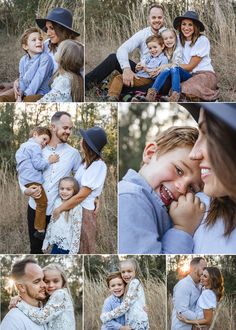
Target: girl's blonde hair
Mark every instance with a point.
(75, 188)
(135, 264)
(170, 55)
(70, 58)
(58, 268)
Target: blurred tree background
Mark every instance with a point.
(73, 269)
(139, 123)
(18, 15)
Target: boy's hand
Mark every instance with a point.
(33, 191)
(139, 66)
(14, 301)
(187, 213)
(53, 158)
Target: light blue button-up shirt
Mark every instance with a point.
(35, 73)
(152, 63)
(144, 223)
(30, 162)
(185, 295)
(111, 303)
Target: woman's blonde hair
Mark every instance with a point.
(216, 281)
(70, 58)
(58, 268)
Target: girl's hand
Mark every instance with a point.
(154, 73)
(145, 308)
(14, 301)
(187, 213)
(56, 213)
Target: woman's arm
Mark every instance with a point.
(72, 202)
(130, 298)
(195, 60)
(208, 316)
(54, 307)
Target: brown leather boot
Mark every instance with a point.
(151, 95)
(174, 97)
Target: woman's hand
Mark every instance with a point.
(14, 301)
(187, 213)
(33, 191)
(56, 213)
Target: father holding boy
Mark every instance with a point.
(120, 61)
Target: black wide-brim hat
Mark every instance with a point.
(188, 15)
(95, 137)
(60, 16)
(225, 112)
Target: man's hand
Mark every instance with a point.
(33, 191)
(53, 158)
(187, 213)
(128, 77)
(56, 213)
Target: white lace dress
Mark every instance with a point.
(132, 306)
(60, 90)
(58, 313)
(65, 233)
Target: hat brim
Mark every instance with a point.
(177, 22)
(225, 112)
(89, 141)
(41, 22)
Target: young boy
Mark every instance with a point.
(144, 71)
(116, 286)
(167, 173)
(30, 164)
(35, 67)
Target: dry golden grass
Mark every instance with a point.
(224, 317)
(13, 219)
(95, 292)
(219, 21)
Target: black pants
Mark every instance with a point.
(35, 243)
(110, 64)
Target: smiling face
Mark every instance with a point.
(34, 44)
(62, 128)
(212, 186)
(205, 279)
(51, 33)
(187, 28)
(53, 281)
(171, 174)
(42, 139)
(117, 287)
(156, 19)
(127, 271)
(155, 48)
(169, 38)
(66, 189)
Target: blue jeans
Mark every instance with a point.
(177, 75)
(57, 250)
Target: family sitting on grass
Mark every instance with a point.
(49, 71)
(177, 64)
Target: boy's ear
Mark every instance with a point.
(25, 47)
(149, 151)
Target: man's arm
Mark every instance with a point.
(181, 301)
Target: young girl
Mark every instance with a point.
(58, 312)
(177, 74)
(213, 284)
(67, 83)
(63, 235)
(133, 304)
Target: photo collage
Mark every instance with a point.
(118, 165)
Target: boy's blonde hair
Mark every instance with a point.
(176, 136)
(40, 130)
(113, 275)
(157, 38)
(70, 58)
(24, 37)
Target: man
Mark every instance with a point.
(28, 277)
(186, 294)
(120, 60)
(69, 161)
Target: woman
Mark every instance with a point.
(58, 26)
(213, 290)
(215, 152)
(91, 176)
